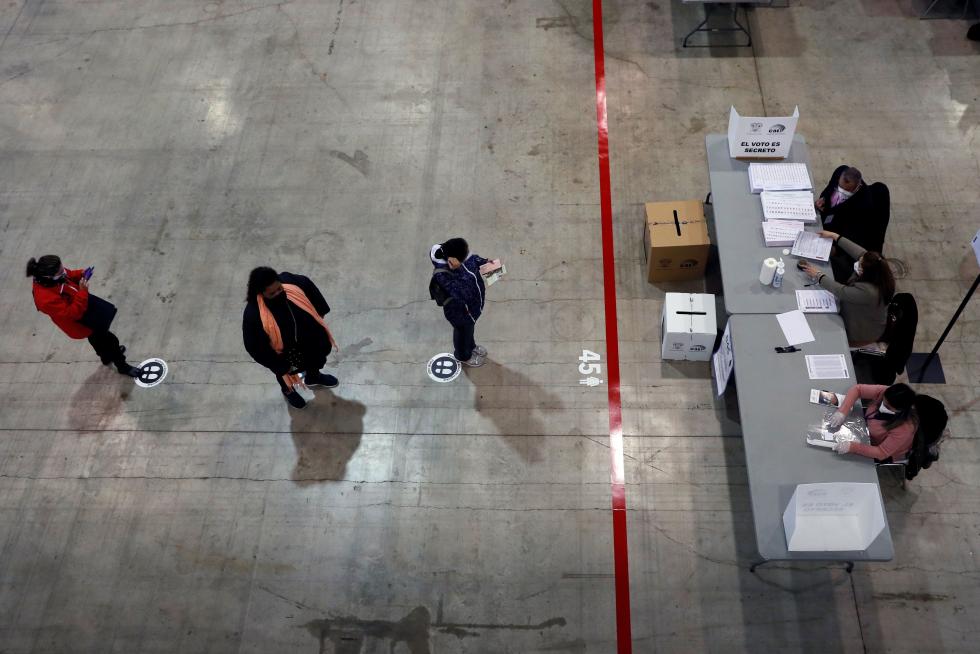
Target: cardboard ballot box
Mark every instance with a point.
(676, 240)
(688, 327)
(833, 517)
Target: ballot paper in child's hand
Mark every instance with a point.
(492, 271)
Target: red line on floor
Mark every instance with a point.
(624, 637)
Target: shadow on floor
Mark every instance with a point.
(785, 606)
(99, 399)
(326, 435)
(514, 403)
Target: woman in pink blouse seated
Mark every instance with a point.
(891, 418)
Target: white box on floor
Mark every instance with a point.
(688, 327)
(833, 517)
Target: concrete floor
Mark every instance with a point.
(174, 144)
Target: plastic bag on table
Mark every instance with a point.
(853, 429)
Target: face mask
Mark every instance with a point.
(883, 409)
(857, 268)
(844, 194)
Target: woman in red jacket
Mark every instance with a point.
(890, 414)
(63, 295)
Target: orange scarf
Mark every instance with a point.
(295, 295)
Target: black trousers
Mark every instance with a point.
(106, 345)
(464, 340)
(310, 363)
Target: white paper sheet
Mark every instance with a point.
(795, 327)
(820, 301)
(779, 233)
(723, 361)
(810, 246)
(826, 366)
(788, 205)
(779, 177)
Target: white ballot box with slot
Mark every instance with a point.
(688, 327)
(833, 517)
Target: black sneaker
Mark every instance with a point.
(319, 379)
(295, 400)
(128, 370)
(108, 362)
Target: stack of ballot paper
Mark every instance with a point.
(788, 205)
(819, 301)
(780, 233)
(779, 177)
(810, 246)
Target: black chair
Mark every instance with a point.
(881, 203)
(899, 335)
(927, 440)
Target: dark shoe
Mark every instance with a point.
(109, 362)
(319, 379)
(295, 400)
(128, 370)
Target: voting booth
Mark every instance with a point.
(833, 517)
(688, 327)
(760, 137)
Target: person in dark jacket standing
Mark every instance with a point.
(283, 330)
(457, 271)
(63, 295)
(846, 206)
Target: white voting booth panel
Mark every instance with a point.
(760, 137)
(688, 327)
(833, 517)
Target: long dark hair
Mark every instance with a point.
(876, 271)
(900, 397)
(44, 269)
(260, 279)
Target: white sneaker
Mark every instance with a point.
(474, 361)
(479, 350)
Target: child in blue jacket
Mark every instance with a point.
(463, 283)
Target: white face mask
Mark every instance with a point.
(857, 268)
(884, 409)
(844, 194)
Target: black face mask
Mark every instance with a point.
(278, 300)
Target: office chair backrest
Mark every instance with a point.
(925, 445)
(903, 320)
(881, 206)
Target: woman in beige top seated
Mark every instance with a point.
(864, 299)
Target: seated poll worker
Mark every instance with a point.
(864, 298)
(846, 206)
(891, 417)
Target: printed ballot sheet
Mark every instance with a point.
(795, 327)
(810, 246)
(779, 177)
(780, 233)
(788, 205)
(816, 301)
(826, 366)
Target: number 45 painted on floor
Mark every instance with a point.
(590, 366)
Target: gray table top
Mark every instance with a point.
(774, 402)
(738, 225)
